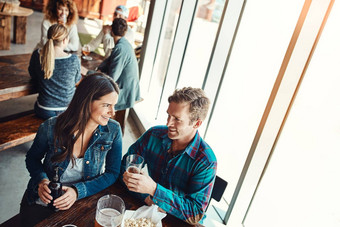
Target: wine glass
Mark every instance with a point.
(86, 51)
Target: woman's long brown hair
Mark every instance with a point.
(71, 124)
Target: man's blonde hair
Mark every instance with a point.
(199, 102)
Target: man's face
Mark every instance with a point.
(118, 14)
(178, 122)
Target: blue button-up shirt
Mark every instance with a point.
(102, 159)
(184, 182)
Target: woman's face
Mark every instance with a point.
(103, 109)
(61, 11)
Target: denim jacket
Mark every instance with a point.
(101, 159)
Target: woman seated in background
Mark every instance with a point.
(63, 12)
(55, 73)
(85, 145)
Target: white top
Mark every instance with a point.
(73, 44)
(108, 41)
(73, 174)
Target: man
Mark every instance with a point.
(105, 37)
(181, 165)
(122, 66)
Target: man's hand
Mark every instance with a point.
(107, 29)
(148, 201)
(44, 192)
(65, 201)
(140, 183)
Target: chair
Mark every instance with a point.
(219, 187)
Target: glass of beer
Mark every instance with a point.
(134, 163)
(110, 211)
(86, 51)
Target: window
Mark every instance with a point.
(300, 180)
(236, 51)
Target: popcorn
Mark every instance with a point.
(140, 222)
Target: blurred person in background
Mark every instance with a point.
(63, 12)
(55, 73)
(105, 36)
(122, 66)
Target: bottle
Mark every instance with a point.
(56, 189)
(63, 20)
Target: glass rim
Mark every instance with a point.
(136, 155)
(109, 196)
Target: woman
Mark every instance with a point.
(57, 11)
(55, 73)
(85, 145)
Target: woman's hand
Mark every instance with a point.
(44, 192)
(65, 201)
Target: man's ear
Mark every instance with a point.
(198, 123)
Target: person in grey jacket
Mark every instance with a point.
(83, 143)
(122, 66)
(55, 73)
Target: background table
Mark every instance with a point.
(15, 80)
(19, 14)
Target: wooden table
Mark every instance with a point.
(20, 14)
(15, 80)
(14, 77)
(83, 211)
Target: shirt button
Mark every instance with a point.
(96, 134)
(87, 162)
